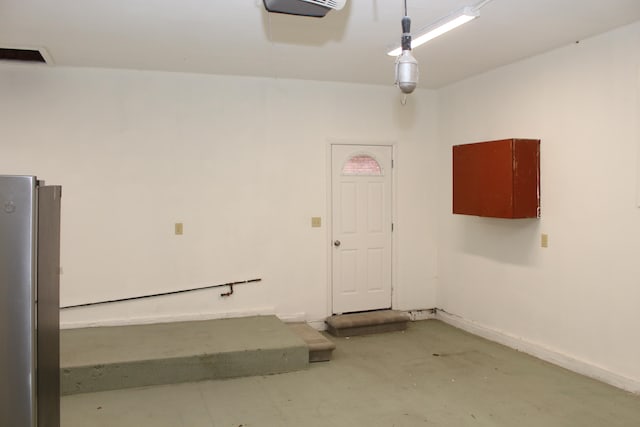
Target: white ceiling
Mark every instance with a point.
(239, 37)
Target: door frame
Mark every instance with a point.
(329, 214)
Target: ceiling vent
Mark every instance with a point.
(23, 55)
(314, 8)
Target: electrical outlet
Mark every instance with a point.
(316, 221)
(178, 228)
(544, 240)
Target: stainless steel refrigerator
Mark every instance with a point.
(29, 302)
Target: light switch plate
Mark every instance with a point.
(316, 221)
(544, 240)
(178, 228)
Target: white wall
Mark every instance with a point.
(577, 300)
(242, 162)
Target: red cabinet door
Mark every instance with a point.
(499, 179)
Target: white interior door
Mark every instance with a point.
(361, 227)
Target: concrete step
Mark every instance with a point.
(110, 358)
(320, 347)
(370, 322)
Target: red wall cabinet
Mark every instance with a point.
(499, 179)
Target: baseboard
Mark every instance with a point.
(186, 317)
(318, 325)
(541, 352)
(423, 314)
(293, 317)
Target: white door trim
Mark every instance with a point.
(395, 289)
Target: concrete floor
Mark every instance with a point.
(431, 375)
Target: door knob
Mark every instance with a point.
(336, 243)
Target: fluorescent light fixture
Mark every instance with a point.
(440, 27)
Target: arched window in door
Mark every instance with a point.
(362, 164)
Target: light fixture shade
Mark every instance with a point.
(406, 72)
(440, 27)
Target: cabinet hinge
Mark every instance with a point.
(391, 226)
